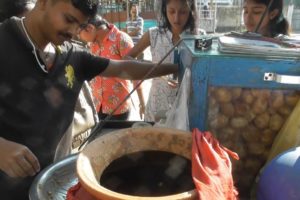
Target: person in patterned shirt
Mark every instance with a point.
(108, 41)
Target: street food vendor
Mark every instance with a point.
(42, 74)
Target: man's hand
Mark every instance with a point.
(17, 160)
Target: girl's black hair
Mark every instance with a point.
(87, 7)
(9, 8)
(191, 22)
(98, 21)
(279, 24)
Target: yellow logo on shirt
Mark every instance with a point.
(58, 49)
(70, 76)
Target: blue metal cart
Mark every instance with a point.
(242, 99)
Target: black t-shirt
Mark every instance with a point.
(36, 107)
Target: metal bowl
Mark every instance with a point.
(55, 180)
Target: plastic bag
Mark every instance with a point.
(178, 116)
(85, 117)
(211, 168)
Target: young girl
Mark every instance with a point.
(108, 41)
(175, 17)
(273, 24)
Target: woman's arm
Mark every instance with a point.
(140, 94)
(143, 43)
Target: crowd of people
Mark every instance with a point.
(43, 72)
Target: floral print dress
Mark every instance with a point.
(162, 95)
(109, 92)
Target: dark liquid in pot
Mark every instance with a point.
(149, 173)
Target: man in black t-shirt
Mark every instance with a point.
(40, 79)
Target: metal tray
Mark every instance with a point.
(55, 180)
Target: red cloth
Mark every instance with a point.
(211, 168)
(77, 192)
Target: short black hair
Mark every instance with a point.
(87, 7)
(98, 21)
(9, 8)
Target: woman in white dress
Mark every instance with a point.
(174, 18)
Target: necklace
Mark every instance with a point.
(34, 51)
